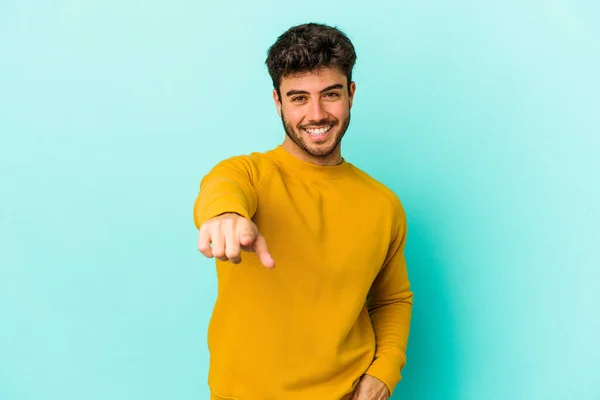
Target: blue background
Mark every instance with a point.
(482, 116)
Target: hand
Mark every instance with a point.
(229, 233)
(371, 388)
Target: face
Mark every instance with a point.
(315, 111)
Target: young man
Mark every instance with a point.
(319, 308)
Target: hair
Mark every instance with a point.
(308, 47)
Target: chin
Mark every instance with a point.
(321, 150)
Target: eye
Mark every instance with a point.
(332, 95)
(298, 99)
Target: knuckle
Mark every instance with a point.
(203, 247)
(207, 230)
(206, 254)
(246, 228)
(218, 253)
(232, 253)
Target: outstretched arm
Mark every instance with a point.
(223, 211)
(228, 187)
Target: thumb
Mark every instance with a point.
(261, 250)
(248, 233)
(247, 237)
(358, 391)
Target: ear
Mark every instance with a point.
(351, 94)
(277, 102)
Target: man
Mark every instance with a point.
(319, 308)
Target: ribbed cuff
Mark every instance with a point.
(387, 369)
(218, 207)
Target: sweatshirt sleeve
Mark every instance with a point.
(228, 187)
(390, 306)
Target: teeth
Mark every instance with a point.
(318, 131)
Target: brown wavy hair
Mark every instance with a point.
(307, 47)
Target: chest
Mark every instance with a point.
(337, 232)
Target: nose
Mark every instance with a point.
(316, 112)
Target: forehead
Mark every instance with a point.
(313, 80)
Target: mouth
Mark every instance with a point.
(318, 133)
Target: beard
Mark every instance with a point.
(320, 150)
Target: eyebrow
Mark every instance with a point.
(336, 86)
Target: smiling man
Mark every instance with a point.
(319, 306)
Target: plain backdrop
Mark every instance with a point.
(482, 116)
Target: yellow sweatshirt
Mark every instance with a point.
(338, 303)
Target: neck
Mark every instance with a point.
(332, 159)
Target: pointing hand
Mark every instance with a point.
(229, 233)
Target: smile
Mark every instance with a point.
(318, 131)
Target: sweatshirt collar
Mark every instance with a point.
(304, 168)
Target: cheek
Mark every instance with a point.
(340, 110)
(293, 116)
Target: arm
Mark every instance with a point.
(390, 306)
(228, 187)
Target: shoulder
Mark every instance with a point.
(383, 192)
(255, 165)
